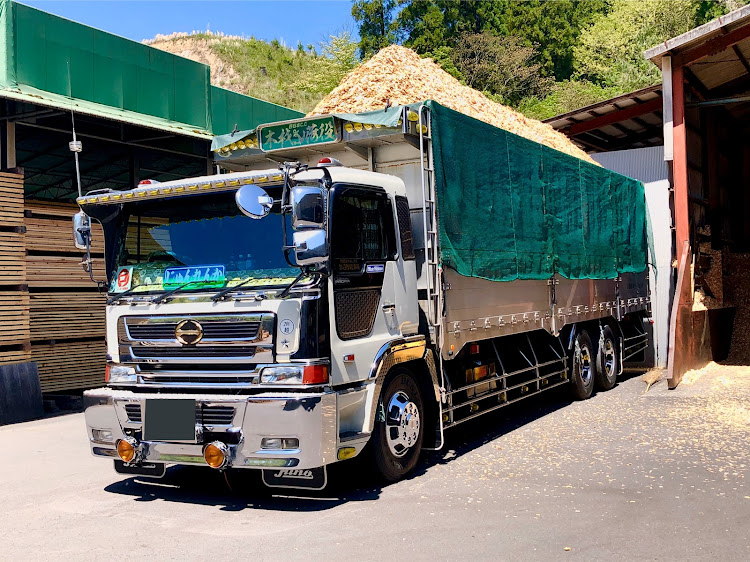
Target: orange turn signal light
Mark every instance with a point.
(125, 450)
(214, 455)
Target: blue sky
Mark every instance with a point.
(291, 20)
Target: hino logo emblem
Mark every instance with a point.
(294, 473)
(188, 332)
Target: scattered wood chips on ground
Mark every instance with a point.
(398, 76)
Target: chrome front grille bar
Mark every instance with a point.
(225, 338)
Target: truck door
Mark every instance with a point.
(366, 271)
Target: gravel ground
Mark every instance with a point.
(624, 475)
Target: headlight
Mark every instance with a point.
(307, 374)
(119, 374)
(281, 375)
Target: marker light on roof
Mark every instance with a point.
(348, 127)
(147, 182)
(358, 127)
(328, 161)
(240, 144)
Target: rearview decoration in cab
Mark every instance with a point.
(320, 130)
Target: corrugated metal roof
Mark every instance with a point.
(701, 34)
(627, 121)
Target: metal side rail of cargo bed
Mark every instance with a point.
(527, 364)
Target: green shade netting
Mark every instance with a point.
(510, 208)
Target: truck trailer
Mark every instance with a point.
(356, 285)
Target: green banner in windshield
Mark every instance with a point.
(315, 131)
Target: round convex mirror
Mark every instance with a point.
(253, 201)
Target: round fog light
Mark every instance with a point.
(126, 449)
(216, 454)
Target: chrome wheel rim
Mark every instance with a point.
(583, 365)
(609, 358)
(402, 424)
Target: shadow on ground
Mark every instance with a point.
(243, 489)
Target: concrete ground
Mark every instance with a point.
(625, 475)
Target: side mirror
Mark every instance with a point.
(81, 230)
(308, 208)
(310, 247)
(253, 201)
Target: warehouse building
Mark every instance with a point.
(698, 118)
(139, 113)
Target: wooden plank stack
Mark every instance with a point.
(66, 309)
(14, 298)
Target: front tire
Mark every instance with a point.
(607, 360)
(399, 429)
(582, 368)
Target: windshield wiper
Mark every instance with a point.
(164, 296)
(226, 290)
(299, 277)
(119, 296)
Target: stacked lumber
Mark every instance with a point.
(12, 258)
(398, 76)
(58, 316)
(14, 298)
(68, 366)
(66, 309)
(56, 271)
(11, 199)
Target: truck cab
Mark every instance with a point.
(251, 317)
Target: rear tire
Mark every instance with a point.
(607, 359)
(397, 440)
(582, 366)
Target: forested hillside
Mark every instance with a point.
(544, 57)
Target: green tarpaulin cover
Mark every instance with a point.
(510, 208)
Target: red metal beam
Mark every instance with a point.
(680, 164)
(613, 117)
(680, 325)
(713, 46)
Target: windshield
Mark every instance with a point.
(196, 243)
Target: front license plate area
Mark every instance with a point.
(169, 420)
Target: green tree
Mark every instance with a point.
(566, 96)
(428, 25)
(610, 51)
(553, 26)
(377, 28)
(501, 66)
(325, 72)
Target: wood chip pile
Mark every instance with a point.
(398, 75)
(737, 293)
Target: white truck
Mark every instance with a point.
(389, 276)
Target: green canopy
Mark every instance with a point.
(510, 208)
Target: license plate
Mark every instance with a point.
(154, 469)
(169, 420)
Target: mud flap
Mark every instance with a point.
(153, 469)
(307, 478)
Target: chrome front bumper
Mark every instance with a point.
(311, 418)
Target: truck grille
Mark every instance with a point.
(211, 330)
(188, 352)
(204, 415)
(223, 338)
